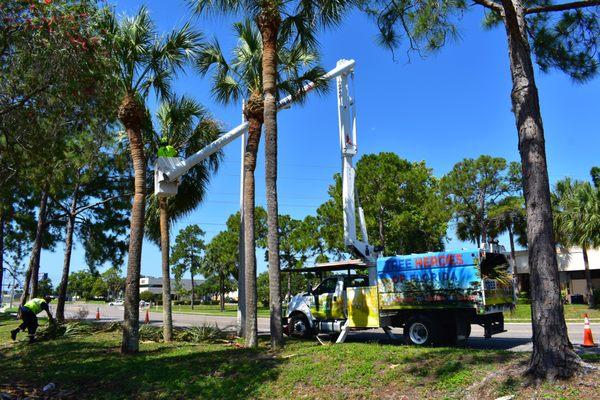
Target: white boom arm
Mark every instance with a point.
(169, 169)
(347, 128)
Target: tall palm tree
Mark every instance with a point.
(186, 126)
(242, 77)
(578, 221)
(146, 61)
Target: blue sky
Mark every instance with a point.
(441, 108)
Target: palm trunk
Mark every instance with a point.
(588, 279)
(166, 273)
(31, 278)
(269, 20)
(553, 355)
(131, 114)
(253, 112)
(192, 282)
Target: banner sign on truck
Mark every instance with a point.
(444, 277)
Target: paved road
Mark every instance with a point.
(517, 337)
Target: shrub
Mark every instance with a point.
(596, 293)
(202, 333)
(523, 298)
(147, 296)
(151, 333)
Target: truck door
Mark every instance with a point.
(329, 302)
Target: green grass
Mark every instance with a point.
(522, 313)
(91, 367)
(210, 309)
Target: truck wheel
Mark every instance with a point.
(420, 331)
(299, 327)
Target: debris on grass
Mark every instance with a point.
(18, 391)
(194, 334)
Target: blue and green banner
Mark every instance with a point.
(429, 278)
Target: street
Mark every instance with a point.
(517, 337)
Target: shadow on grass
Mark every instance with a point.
(97, 369)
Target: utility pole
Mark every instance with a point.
(241, 311)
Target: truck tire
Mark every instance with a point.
(298, 327)
(420, 331)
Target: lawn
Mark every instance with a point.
(90, 367)
(573, 313)
(522, 312)
(210, 309)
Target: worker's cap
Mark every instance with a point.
(48, 298)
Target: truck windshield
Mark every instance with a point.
(327, 286)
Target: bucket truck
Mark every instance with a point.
(434, 297)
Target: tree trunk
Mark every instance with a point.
(131, 113)
(268, 21)
(166, 271)
(1, 253)
(588, 279)
(254, 114)
(381, 229)
(31, 278)
(483, 226)
(516, 278)
(222, 289)
(64, 281)
(192, 283)
(553, 355)
(289, 284)
(62, 290)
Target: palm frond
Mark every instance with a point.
(181, 46)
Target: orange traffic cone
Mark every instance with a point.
(588, 340)
(147, 319)
(97, 313)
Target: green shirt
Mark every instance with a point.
(37, 305)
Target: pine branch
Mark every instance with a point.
(81, 209)
(563, 7)
(492, 5)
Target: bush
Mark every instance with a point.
(147, 296)
(150, 333)
(596, 293)
(523, 298)
(197, 334)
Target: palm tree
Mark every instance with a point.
(242, 77)
(508, 215)
(577, 221)
(187, 127)
(146, 61)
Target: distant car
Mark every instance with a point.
(144, 304)
(116, 303)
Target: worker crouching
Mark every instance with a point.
(29, 313)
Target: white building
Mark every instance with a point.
(571, 269)
(154, 285)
